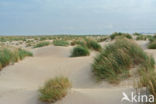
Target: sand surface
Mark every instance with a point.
(19, 82)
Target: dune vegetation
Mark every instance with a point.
(119, 34)
(42, 44)
(137, 34)
(102, 38)
(92, 44)
(141, 37)
(11, 55)
(116, 59)
(60, 43)
(83, 47)
(54, 89)
(88, 43)
(152, 44)
(120, 60)
(23, 53)
(80, 51)
(148, 81)
(78, 42)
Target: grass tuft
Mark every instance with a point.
(88, 43)
(152, 45)
(119, 34)
(60, 43)
(11, 55)
(23, 53)
(6, 57)
(42, 44)
(141, 37)
(54, 89)
(80, 51)
(91, 44)
(148, 80)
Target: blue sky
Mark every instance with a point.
(35, 17)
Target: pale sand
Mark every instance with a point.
(19, 82)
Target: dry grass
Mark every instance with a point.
(54, 89)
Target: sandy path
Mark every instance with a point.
(19, 83)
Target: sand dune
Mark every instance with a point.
(95, 96)
(20, 82)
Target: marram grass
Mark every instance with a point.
(152, 45)
(148, 80)
(11, 55)
(116, 59)
(42, 44)
(54, 89)
(60, 43)
(80, 51)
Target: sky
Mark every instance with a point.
(39, 17)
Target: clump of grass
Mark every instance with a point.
(8, 56)
(42, 44)
(137, 34)
(91, 44)
(77, 42)
(119, 34)
(141, 37)
(101, 39)
(60, 43)
(43, 38)
(54, 89)
(148, 80)
(151, 38)
(80, 51)
(116, 59)
(152, 44)
(23, 53)
(88, 43)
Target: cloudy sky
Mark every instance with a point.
(30, 17)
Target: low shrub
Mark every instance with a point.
(41, 44)
(80, 51)
(119, 34)
(115, 60)
(60, 43)
(54, 89)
